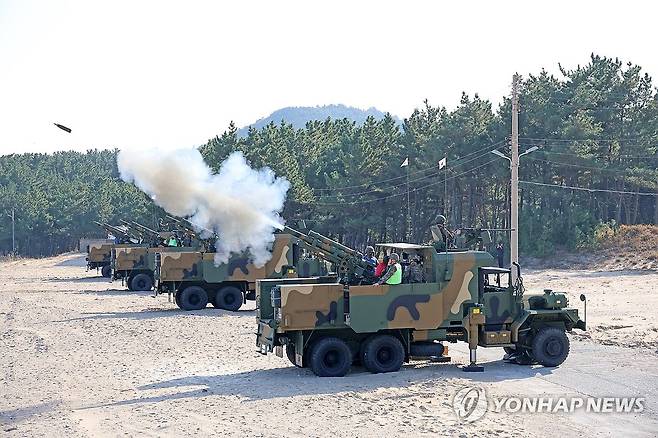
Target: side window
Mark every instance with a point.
(496, 282)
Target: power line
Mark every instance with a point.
(585, 189)
(458, 162)
(585, 142)
(435, 173)
(379, 190)
(411, 173)
(600, 157)
(603, 169)
(372, 183)
(580, 140)
(404, 193)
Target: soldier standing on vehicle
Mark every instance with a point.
(393, 274)
(500, 254)
(414, 272)
(442, 238)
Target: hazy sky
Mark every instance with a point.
(133, 74)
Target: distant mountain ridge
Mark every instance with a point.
(298, 116)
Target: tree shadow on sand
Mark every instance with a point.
(99, 279)
(292, 381)
(617, 274)
(116, 292)
(151, 313)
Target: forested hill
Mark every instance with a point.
(300, 115)
(597, 166)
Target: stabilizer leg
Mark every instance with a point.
(473, 367)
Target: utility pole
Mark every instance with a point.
(13, 232)
(514, 173)
(514, 168)
(405, 163)
(408, 209)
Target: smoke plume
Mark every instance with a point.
(240, 204)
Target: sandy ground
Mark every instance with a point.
(83, 357)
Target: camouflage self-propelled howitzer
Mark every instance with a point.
(329, 326)
(100, 254)
(195, 279)
(135, 263)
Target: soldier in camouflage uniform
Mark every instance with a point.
(442, 237)
(414, 272)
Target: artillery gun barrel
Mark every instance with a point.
(485, 229)
(332, 251)
(191, 229)
(187, 225)
(137, 232)
(334, 244)
(112, 229)
(316, 245)
(144, 228)
(178, 220)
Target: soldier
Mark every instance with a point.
(442, 238)
(500, 254)
(393, 274)
(414, 272)
(369, 256)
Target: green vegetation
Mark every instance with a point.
(56, 197)
(597, 128)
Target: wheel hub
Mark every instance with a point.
(331, 359)
(553, 347)
(384, 355)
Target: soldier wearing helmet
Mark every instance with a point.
(442, 237)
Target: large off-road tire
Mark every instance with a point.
(550, 346)
(106, 271)
(229, 298)
(426, 349)
(290, 353)
(383, 354)
(193, 298)
(330, 357)
(141, 282)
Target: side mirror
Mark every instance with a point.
(582, 297)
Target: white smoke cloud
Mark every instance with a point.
(240, 204)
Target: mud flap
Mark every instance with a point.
(265, 338)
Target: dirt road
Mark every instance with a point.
(83, 357)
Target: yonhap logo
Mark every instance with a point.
(470, 404)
